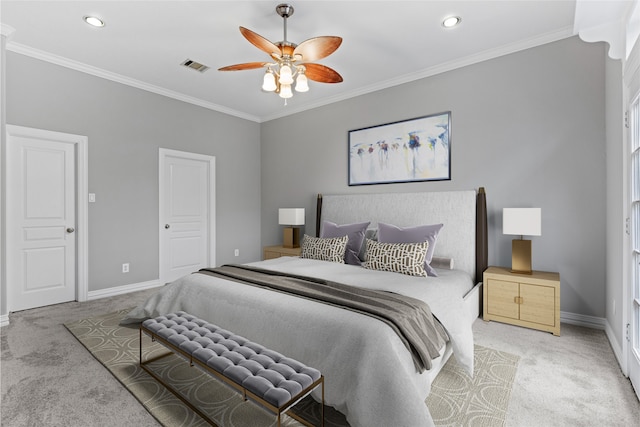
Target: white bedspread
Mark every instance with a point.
(369, 374)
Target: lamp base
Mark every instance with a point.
(521, 256)
(291, 237)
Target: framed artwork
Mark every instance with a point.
(407, 151)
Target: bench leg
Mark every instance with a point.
(175, 392)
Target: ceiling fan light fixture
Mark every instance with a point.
(269, 81)
(285, 91)
(451, 21)
(290, 63)
(94, 21)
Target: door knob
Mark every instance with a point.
(70, 230)
(167, 226)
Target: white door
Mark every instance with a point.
(633, 332)
(187, 213)
(41, 218)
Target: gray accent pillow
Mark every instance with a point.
(388, 233)
(331, 249)
(355, 232)
(404, 258)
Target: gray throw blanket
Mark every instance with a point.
(410, 318)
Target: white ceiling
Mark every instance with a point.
(384, 42)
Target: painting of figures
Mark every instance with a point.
(411, 150)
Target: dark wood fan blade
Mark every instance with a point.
(321, 73)
(318, 47)
(245, 66)
(260, 42)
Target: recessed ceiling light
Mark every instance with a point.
(93, 21)
(451, 21)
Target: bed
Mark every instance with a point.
(371, 377)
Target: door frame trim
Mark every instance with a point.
(163, 153)
(80, 143)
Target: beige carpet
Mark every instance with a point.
(455, 400)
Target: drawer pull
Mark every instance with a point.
(518, 300)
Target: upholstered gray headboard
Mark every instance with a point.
(463, 229)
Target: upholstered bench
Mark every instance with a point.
(264, 376)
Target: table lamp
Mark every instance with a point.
(523, 222)
(290, 217)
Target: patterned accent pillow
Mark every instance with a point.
(389, 233)
(324, 249)
(405, 258)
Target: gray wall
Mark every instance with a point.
(125, 127)
(530, 127)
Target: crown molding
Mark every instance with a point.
(432, 71)
(98, 72)
(6, 30)
(611, 22)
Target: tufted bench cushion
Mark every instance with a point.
(269, 375)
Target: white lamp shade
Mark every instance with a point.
(522, 221)
(291, 216)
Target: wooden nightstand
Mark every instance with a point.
(529, 300)
(270, 252)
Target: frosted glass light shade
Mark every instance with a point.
(286, 77)
(285, 91)
(291, 216)
(302, 85)
(269, 82)
(522, 221)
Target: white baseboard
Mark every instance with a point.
(617, 348)
(597, 323)
(124, 289)
(104, 293)
(583, 320)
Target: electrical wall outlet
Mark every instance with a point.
(236, 252)
(125, 267)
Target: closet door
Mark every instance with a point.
(187, 213)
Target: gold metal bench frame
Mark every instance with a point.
(246, 394)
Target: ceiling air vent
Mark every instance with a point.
(195, 65)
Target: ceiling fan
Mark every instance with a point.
(291, 60)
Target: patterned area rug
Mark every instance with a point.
(455, 399)
(481, 401)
